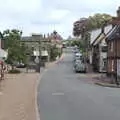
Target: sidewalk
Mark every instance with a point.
(100, 78)
(17, 97)
(105, 82)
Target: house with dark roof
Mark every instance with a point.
(99, 49)
(113, 56)
(113, 53)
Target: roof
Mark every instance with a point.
(94, 35)
(114, 34)
(97, 35)
(99, 39)
(26, 38)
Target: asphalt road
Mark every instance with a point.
(62, 95)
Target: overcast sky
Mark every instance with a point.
(44, 16)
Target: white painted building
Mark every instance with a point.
(99, 47)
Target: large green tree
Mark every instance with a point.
(90, 23)
(98, 21)
(16, 50)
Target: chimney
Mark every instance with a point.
(118, 12)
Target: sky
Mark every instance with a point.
(45, 16)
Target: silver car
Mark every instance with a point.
(80, 66)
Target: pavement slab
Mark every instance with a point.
(17, 98)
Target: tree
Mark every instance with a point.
(98, 20)
(16, 51)
(84, 25)
(54, 52)
(80, 26)
(90, 23)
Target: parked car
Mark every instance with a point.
(76, 49)
(20, 65)
(80, 66)
(77, 56)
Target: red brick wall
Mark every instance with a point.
(111, 48)
(112, 54)
(118, 48)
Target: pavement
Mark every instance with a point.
(65, 95)
(17, 96)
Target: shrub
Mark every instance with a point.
(14, 71)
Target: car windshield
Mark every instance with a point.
(59, 59)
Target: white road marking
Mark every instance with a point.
(57, 93)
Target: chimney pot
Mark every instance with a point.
(118, 12)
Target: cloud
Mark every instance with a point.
(43, 16)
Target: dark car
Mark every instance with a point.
(20, 65)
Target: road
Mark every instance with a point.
(64, 95)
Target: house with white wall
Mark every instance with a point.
(98, 57)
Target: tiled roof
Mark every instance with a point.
(97, 33)
(94, 35)
(114, 34)
(26, 38)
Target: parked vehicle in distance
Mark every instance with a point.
(20, 65)
(77, 56)
(76, 49)
(80, 66)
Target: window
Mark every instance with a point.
(112, 65)
(104, 63)
(111, 47)
(104, 49)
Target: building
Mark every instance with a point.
(3, 53)
(99, 49)
(94, 35)
(113, 54)
(35, 44)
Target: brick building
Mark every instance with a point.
(113, 54)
